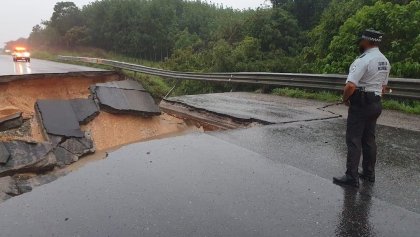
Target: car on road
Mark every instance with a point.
(21, 54)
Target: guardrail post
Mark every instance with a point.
(172, 89)
(265, 89)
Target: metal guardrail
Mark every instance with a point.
(403, 88)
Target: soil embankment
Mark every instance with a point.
(108, 130)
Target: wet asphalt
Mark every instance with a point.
(259, 107)
(199, 185)
(271, 180)
(318, 147)
(37, 66)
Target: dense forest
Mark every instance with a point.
(316, 36)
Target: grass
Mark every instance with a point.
(156, 86)
(305, 94)
(410, 107)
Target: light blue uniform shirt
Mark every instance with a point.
(370, 71)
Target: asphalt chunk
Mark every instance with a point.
(4, 154)
(125, 101)
(10, 119)
(28, 157)
(64, 157)
(59, 118)
(78, 146)
(8, 188)
(85, 109)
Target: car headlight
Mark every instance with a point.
(19, 55)
(26, 54)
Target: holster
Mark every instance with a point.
(362, 98)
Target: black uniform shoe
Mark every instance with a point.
(370, 178)
(346, 180)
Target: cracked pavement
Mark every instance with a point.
(261, 181)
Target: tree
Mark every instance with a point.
(281, 3)
(276, 29)
(400, 25)
(77, 36)
(66, 15)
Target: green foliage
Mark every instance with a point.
(305, 94)
(66, 15)
(400, 25)
(198, 87)
(315, 36)
(333, 17)
(157, 86)
(411, 107)
(77, 35)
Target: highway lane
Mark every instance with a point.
(37, 66)
(301, 139)
(199, 185)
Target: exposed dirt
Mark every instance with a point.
(22, 94)
(108, 130)
(113, 130)
(8, 111)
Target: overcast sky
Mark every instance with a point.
(17, 17)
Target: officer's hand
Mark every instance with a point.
(347, 103)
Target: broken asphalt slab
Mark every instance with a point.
(85, 109)
(28, 157)
(8, 188)
(64, 157)
(79, 146)
(69, 150)
(10, 118)
(4, 154)
(266, 109)
(128, 97)
(58, 118)
(178, 186)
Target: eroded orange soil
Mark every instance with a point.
(108, 130)
(23, 94)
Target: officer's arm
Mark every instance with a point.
(357, 70)
(349, 89)
(385, 88)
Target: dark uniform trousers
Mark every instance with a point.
(365, 109)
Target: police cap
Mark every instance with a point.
(372, 35)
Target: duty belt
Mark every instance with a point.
(362, 89)
(362, 97)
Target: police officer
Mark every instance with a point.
(366, 82)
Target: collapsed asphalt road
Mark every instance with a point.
(261, 181)
(48, 122)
